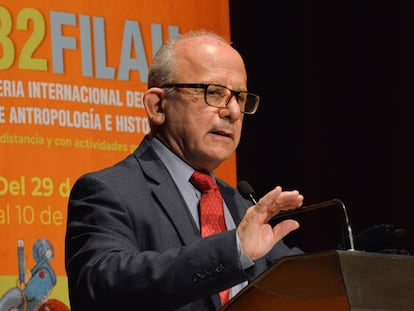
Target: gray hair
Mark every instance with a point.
(162, 70)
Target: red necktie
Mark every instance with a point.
(211, 211)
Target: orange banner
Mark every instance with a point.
(72, 77)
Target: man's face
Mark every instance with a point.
(202, 135)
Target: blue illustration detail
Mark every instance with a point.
(33, 285)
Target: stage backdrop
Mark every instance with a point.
(72, 77)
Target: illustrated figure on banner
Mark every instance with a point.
(33, 285)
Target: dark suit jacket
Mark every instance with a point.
(132, 244)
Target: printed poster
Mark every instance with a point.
(72, 78)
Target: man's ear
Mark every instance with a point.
(153, 102)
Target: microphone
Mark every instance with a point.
(246, 190)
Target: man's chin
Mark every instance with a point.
(219, 156)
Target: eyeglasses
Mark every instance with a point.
(219, 96)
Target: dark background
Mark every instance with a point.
(336, 116)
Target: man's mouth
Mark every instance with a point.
(223, 133)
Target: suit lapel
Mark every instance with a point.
(175, 206)
(237, 209)
(166, 193)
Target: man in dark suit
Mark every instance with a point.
(133, 237)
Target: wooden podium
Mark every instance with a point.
(332, 281)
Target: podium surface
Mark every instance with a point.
(333, 280)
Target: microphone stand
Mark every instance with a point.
(248, 193)
(306, 208)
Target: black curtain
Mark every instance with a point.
(336, 115)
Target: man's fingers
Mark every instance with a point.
(283, 228)
(289, 198)
(277, 200)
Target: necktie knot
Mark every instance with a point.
(203, 181)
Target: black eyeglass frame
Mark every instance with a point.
(205, 86)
